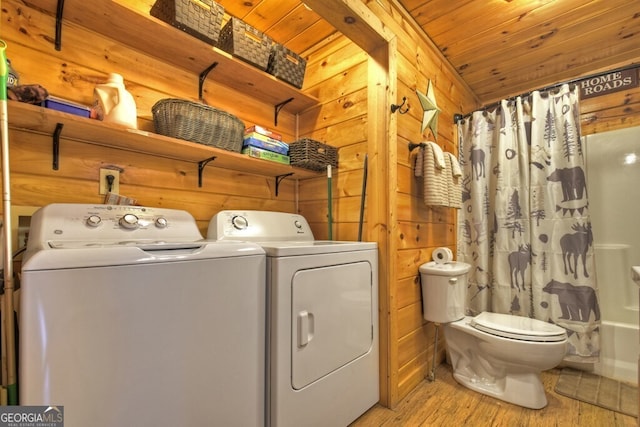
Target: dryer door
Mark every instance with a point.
(332, 320)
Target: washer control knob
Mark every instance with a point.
(298, 224)
(129, 221)
(161, 222)
(239, 222)
(93, 221)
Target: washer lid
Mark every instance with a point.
(518, 327)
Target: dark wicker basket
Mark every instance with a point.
(199, 18)
(200, 123)
(245, 42)
(307, 153)
(287, 65)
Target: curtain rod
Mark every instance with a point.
(457, 117)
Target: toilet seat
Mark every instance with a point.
(518, 327)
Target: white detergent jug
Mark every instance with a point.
(114, 104)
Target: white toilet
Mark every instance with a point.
(499, 355)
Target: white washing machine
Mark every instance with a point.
(323, 314)
(130, 318)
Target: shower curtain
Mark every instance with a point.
(524, 225)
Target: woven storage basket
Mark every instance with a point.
(310, 154)
(195, 122)
(199, 18)
(287, 65)
(245, 42)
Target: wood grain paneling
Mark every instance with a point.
(414, 229)
(339, 80)
(72, 73)
(408, 291)
(444, 402)
(355, 84)
(504, 48)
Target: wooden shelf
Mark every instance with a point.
(42, 120)
(129, 23)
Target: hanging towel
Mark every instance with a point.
(431, 166)
(454, 184)
(456, 170)
(433, 152)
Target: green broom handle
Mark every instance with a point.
(3, 71)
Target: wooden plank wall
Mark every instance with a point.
(337, 74)
(420, 229)
(72, 73)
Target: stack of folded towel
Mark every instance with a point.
(441, 175)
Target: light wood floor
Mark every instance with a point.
(447, 403)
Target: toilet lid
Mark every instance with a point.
(518, 327)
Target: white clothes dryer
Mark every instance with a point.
(323, 314)
(130, 318)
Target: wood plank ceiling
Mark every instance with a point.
(501, 48)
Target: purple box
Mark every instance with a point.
(66, 106)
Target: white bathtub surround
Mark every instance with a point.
(619, 332)
(613, 174)
(618, 293)
(619, 351)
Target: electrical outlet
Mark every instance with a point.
(104, 181)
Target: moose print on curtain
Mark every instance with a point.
(524, 225)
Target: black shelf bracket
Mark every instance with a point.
(203, 77)
(59, 10)
(279, 179)
(201, 166)
(277, 109)
(56, 146)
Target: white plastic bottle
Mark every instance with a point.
(114, 104)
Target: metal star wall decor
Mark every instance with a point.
(431, 110)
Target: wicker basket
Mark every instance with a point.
(195, 122)
(287, 65)
(199, 18)
(310, 154)
(245, 42)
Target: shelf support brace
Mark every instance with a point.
(203, 77)
(56, 146)
(59, 10)
(201, 166)
(277, 109)
(279, 179)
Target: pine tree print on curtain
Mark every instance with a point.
(524, 226)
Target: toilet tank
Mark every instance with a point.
(444, 287)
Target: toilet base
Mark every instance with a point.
(523, 389)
